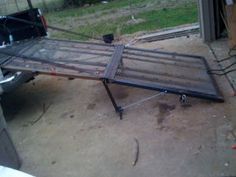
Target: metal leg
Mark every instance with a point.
(118, 109)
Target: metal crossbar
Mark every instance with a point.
(114, 63)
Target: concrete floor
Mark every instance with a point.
(221, 50)
(68, 128)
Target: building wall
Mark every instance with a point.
(207, 20)
(211, 23)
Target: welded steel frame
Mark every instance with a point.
(116, 53)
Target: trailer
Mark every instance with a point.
(165, 72)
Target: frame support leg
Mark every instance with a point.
(118, 109)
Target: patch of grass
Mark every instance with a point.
(95, 30)
(151, 20)
(80, 11)
(157, 19)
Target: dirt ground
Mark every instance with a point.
(68, 128)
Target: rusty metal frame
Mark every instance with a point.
(113, 71)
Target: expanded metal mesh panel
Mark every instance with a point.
(147, 69)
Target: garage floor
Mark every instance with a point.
(68, 128)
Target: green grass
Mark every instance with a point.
(95, 30)
(152, 20)
(113, 5)
(90, 20)
(164, 18)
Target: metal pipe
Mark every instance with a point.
(118, 109)
(143, 100)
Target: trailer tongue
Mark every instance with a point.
(114, 64)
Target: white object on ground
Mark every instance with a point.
(8, 172)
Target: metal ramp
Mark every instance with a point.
(114, 64)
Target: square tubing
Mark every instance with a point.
(118, 109)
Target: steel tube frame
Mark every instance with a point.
(117, 108)
(112, 75)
